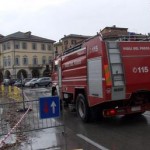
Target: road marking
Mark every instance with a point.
(92, 142)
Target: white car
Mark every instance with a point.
(43, 81)
(28, 84)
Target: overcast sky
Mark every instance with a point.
(55, 18)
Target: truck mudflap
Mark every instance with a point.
(126, 110)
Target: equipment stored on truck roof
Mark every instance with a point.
(105, 77)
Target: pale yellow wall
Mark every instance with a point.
(29, 52)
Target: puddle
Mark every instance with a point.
(45, 139)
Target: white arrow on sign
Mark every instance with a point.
(53, 105)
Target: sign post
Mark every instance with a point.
(49, 107)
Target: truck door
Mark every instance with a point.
(95, 77)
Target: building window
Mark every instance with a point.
(65, 42)
(4, 46)
(43, 47)
(66, 47)
(44, 60)
(73, 42)
(49, 59)
(17, 61)
(4, 61)
(49, 47)
(9, 61)
(24, 45)
(25, 60)
(35, 60)
(17, 45)
(8, 45)
(34, 46)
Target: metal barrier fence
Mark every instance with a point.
(9, 117)
(14, 121)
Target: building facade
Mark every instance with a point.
(117, 33)
(25, 54)
(113, 32)
(58, 48)
(68, 41)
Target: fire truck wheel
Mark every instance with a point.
(82, 108)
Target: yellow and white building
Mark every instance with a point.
(26, 54)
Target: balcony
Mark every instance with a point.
(35, 66)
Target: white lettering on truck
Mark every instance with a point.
(93, 49)
(73, 63)
(136, 48)
(143, 69)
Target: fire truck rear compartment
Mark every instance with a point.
(138, 102)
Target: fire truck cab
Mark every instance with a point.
(104, 77)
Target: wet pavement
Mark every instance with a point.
(59, 137)
(118, 133)
(54, 138)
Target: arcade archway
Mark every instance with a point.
(23, 73)
(1, 77)
(35, 73)
(46, 72)
(7, 74)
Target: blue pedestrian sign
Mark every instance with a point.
(49, 107)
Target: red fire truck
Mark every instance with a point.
(108, 77)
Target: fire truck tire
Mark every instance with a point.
(82, 108)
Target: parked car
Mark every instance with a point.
(25, 81)
(8, 82)
(18, 83)
(44, 81)
(27, 84)
(5, 82)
